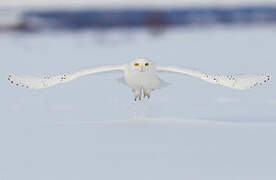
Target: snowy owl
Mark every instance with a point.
(141, 75)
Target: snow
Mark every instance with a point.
(91, 128)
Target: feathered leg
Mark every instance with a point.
(137, 94)
(147, 93)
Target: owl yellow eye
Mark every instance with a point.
(136, 64)
(147, 64)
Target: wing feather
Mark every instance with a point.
(240, 81)
(44, 81)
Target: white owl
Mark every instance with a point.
(141, 75)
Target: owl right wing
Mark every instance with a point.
(241, 81)
(45, 81)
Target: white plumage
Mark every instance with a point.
(142, 77)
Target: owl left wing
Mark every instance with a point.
(44, 81)
(240, 81)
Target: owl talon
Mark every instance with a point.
(138, 98)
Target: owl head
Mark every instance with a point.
(141, 65)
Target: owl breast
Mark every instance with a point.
(144, 80)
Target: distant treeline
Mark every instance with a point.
(161, 18)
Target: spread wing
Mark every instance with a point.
(241, 81)
(44, 81)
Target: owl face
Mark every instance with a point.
(141, 65)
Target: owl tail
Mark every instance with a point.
(122, 80)
(163, 83)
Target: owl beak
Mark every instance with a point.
(142, 69)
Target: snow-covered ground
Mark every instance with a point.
(91, 128)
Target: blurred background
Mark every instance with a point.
(37, 16)
(91, 128)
